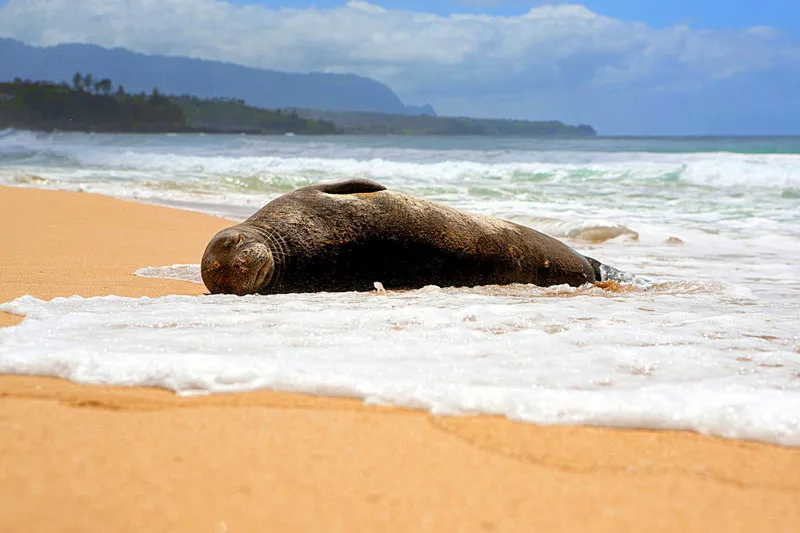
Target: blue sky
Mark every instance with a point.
(625, 67)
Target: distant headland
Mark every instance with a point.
(217, 96)
(96, 105)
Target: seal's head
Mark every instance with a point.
(236, 261)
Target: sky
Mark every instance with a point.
(783, 14)
(657, 67)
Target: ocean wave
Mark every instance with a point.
(581, 231)
(26, 139)
(776, 172)
(265, 164)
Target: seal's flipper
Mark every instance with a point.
(605, 272)
(596, 266)
(351, 186)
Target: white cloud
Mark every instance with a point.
(425, 56)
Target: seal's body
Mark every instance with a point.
(345, 236)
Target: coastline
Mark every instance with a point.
(91, 458)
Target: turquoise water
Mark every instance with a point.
(741, 145)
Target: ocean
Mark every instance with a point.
(703, 337)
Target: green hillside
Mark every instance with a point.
(98, 106)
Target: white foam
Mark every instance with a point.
(664, 359)
(180, 272)
(762, 171)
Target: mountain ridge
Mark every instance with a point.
(269, 89)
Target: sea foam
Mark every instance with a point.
(703, 358)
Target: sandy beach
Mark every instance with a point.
(86, 458)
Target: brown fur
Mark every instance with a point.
(347, 235)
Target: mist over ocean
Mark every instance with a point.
(710, 342)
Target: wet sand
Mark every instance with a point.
(87, 458)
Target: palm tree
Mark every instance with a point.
(88, 82)
(77, 81)
(105, 86)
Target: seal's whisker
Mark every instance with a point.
(278, 248)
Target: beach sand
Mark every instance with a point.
(86, 458)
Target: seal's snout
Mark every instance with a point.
(235, 263)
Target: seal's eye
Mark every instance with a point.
(238, 240)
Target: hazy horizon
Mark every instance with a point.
(678, 72)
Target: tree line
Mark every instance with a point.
(94, 104)
(86, 105)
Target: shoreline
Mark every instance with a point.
(95, 458)
(267, 133)
(66, 243)
(162, 131)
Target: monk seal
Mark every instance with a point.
(346, 235)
